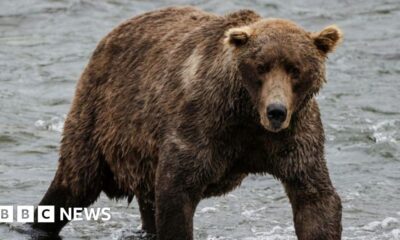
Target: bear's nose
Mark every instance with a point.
(276, 113)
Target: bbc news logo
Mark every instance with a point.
(46, 214)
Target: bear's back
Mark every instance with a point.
(126, 74)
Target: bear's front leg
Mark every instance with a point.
(181, 179)
(317, 209)
(175, 209)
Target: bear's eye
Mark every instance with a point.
(296, 85)
(263, 68)
(293, 71)
(258, 82)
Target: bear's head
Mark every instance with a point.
(281, 66)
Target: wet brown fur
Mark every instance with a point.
(170, 110)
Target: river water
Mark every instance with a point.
(45, 44)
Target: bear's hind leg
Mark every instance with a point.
(77, 183)
(147, 212)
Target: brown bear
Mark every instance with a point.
(177, 105)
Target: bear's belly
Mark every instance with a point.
(226, 184)
(133, 173)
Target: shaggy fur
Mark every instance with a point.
(172, 109)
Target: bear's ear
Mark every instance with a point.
(238, 36)
(327, 39)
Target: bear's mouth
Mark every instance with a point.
(274, 129)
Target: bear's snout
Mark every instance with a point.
(276, 114)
